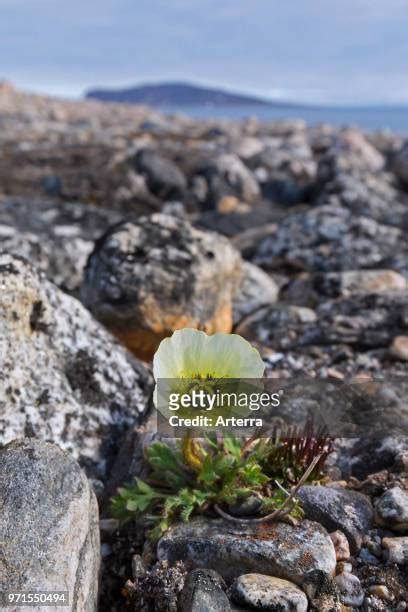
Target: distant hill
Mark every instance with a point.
(177, 94)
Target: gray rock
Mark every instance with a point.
(268, 593)
(148, 278)
(255, 290)
(349, 511)
(247, 507)
(204, 590)
(279, 326)
(391, 510)
(277, 549)
(331, 238)
(163, 177)
(373, 455)
(57, 239)
(63, 378)
(311, 289)
(48, 524)
(351, 592)
(396, 550)
(228, 175)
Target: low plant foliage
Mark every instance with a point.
(193, 476)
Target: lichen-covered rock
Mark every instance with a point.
(268, 593)
(49, 529)
(351, 592)
(255, 290)
(329, 238)
(364, 320)
(279, 326)
(63, 378)
(57, 239)
(277, 549)
(204, 590)
(396, 550)
(349, 511)
(391, 509)
(148, 278)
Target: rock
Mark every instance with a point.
(277, 325)
(203, 591)
(311, 289)
(373, 455)
(364, 321)
(338, 509)
(399, 348)
(227, 175)
(351, 592)
(400, 165)
(380, 591)
(341, 545)
(352, 282)
(331, 238)
(256, 289)
(247, 507)
(396, 550)
(357, 143)
(56, 239)
(279, 549)
(48, 524)
(322, 592)
(343, 567)
(268, 593)
(163, 177)
(148, 278)
(391, 509)
(63, 377)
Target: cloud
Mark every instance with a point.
(342, 49)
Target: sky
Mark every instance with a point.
(318, 51)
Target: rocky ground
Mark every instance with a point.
(119, 225)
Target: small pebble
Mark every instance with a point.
(380, 591)
(341, 545)
(350, 589)
(396, 550)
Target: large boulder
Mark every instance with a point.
(49, 529)
(330, 238)
(56, 239)
(148, 278)
(63, 377)
(277, 549)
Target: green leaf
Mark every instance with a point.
(166, 464)
(134, 499)
(233, 446)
